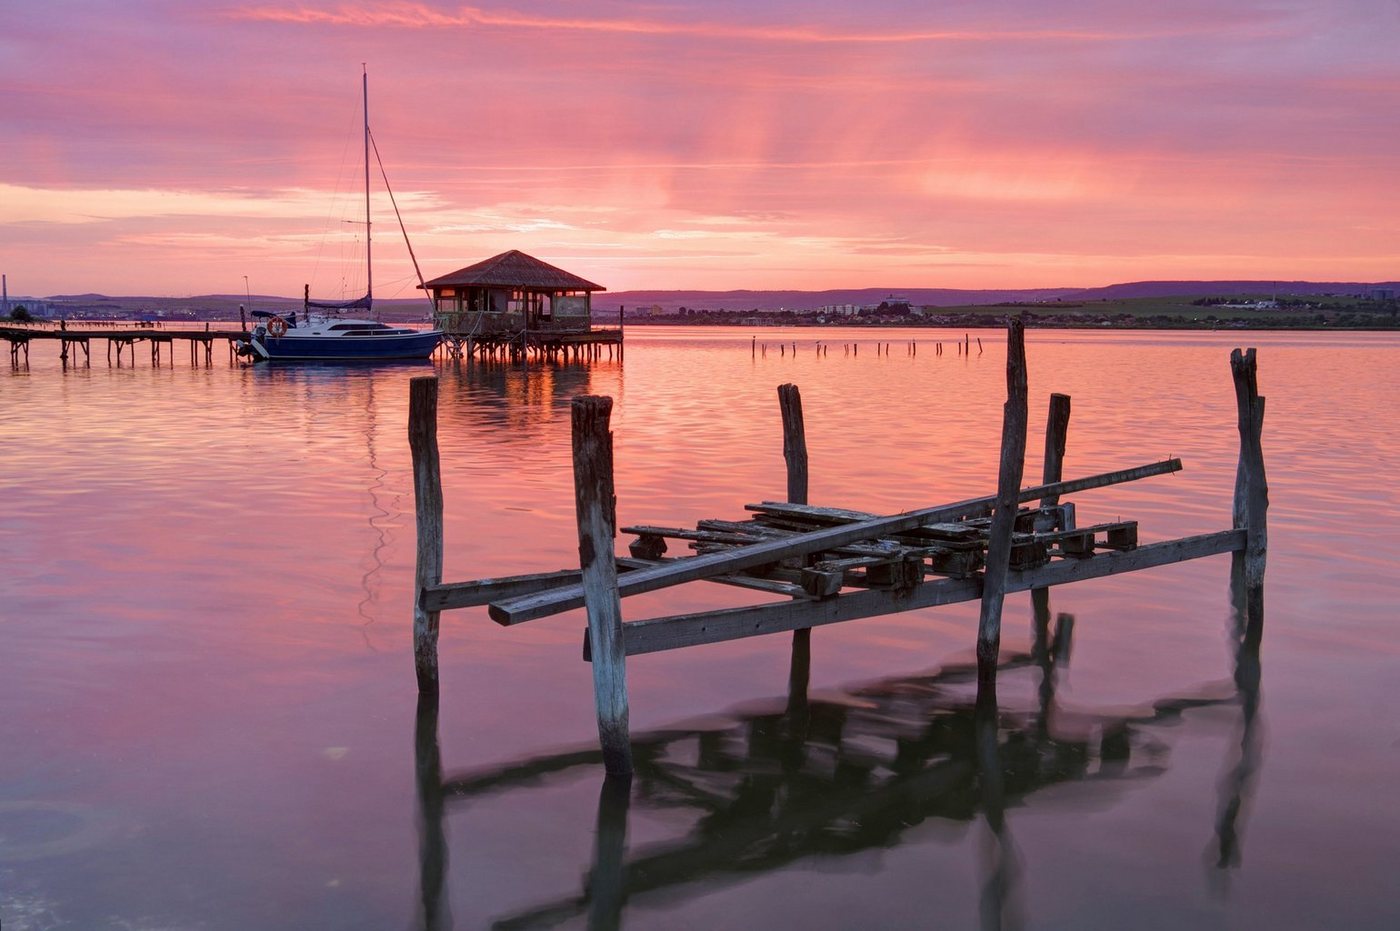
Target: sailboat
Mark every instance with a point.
(322, 333)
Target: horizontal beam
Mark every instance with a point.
(447, 596)
(683, 630)
(529, 607)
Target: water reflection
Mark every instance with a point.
(1242, 770)
(837, 774)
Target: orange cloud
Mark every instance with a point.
(419, 16)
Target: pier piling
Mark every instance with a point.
(427, 496)
(1013, 455)
(596, 507)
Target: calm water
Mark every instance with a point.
(208, 710)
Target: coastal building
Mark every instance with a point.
(512, 293)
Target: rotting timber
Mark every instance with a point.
(828, 564)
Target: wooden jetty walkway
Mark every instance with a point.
(829, 565)
(121, 337)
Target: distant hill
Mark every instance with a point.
(672, 301)
(1213, 288)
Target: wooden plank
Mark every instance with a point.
(684, 630)
(444, 597)
(427, 498)
(544, 604)
(596, 503)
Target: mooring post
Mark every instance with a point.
(1056, 437)
(1013, 455)
(427, 499)
(1251, 504)
(795, 455)
(596, 508)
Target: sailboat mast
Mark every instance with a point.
(369, 265)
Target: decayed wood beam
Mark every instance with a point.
(1013, 461)
(543, 604)
(446, 596)
(683, 630)
(427, 498)
(596, 504)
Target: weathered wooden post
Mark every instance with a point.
(596, 509)
(1056, 437)
(1013, 454)
(427, 499)
(1251, 504)
(795, 455)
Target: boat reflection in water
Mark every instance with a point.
(835, 775)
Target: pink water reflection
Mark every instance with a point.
(206, 637)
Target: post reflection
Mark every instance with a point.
(1245, 634)
(830, 775)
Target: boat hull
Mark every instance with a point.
(346, 348)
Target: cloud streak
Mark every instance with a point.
(421, 16)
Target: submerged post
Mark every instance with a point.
(795, 455)
(596, 508)
(427, 499)
(1251, 503)
(1013, 454)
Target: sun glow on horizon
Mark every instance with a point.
(668, 146)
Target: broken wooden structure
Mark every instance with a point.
(828, 564)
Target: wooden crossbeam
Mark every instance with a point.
(544, 604)
(683, 630)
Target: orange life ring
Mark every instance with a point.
(277, 326)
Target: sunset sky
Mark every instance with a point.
(172, 147)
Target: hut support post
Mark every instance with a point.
(596, 507)
(795, 455)
(1013, 454)
(1251, 503)
(427, 499)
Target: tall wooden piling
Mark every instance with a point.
(596, 509)
(427, 498)
(1013, 454)
(795, 455)
(1056, 440)
(1251, 503)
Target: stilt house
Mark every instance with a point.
(512, 293)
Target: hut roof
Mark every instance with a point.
(515, 269)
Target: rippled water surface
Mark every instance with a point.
(208, 715)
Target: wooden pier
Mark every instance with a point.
(75, 343)
(827, 564)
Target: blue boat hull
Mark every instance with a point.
(348, 348)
